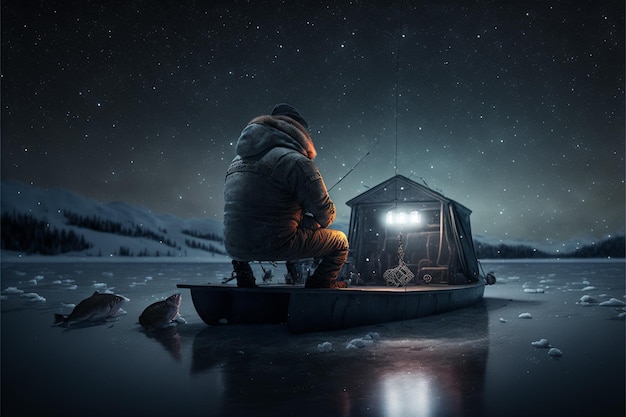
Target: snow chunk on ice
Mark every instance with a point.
(525, 316)
(325, 347)
(359, 343)
(12, 290)
(589, 288)
(33, 297)
(100, 285)
(35, 280)
(542, 343)
(533, 290)
(367, 340)
(502, 320)
(621, 315)
(555, 353)
(587, 299)
(29, 295)
(612, 302)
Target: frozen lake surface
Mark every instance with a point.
(486, 360)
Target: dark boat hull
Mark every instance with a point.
(309, 310)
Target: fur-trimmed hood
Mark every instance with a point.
(265, 132)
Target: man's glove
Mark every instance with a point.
(309, 222)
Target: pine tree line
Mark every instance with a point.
(24, 233)
(126, 252)
(613, 247)
(203, 246)
(502, 251)
(207, 236)
(107, 226)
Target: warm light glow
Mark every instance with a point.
(408, 395)
(402, 218)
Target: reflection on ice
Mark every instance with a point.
(169, 338)
(424, 367)
(407, 395)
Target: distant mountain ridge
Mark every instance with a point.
(60, 222)
(34, 220)
(612, 247)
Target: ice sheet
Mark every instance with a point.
(475, 361)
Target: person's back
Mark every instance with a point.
(276, 203)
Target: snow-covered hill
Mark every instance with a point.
(146, 234)
(53, 205)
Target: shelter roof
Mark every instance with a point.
(398, 189)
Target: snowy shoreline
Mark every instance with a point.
(8, 257)
(4, 258)
(553, 260)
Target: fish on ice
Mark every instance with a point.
(98, 307)
(162, 313)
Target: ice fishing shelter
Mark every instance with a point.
(434, 231)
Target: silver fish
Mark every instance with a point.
(98, 307)
(162, 313)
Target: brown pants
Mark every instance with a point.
(330, 246)
(327, 245)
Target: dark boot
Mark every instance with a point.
(243, 273)
(325, 275)
(294, 277)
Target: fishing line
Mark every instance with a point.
(397, 94)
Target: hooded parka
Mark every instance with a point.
(276, 203)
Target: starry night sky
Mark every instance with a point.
(514, 109)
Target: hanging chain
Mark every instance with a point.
(400, 250)
(401, 274)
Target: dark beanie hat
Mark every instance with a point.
(284, 109)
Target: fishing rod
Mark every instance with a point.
(350, 170)
(396, 94)
(360, 160)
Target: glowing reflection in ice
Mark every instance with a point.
(407, 394)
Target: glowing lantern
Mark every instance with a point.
(401, 218)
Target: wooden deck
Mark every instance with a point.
(309, 310)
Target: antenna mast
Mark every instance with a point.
(397, 87)
(396, 106)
